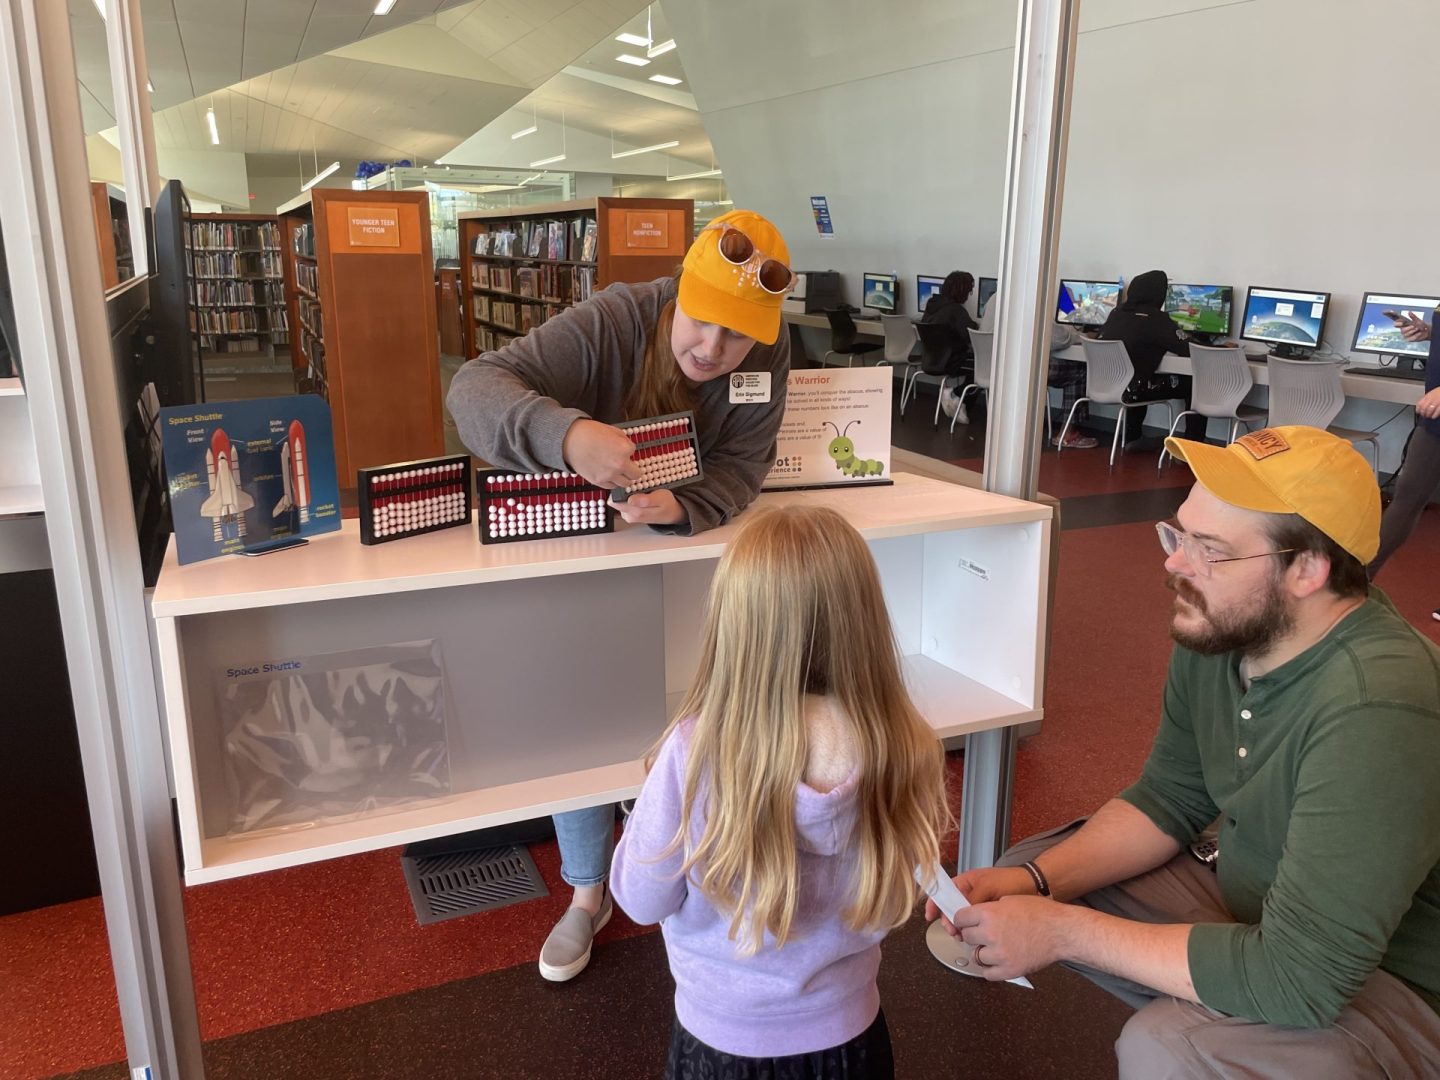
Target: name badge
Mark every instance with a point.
(749, 387)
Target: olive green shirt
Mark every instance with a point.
(1326, 774)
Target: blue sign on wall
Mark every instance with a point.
(242, 472)
(820, 207)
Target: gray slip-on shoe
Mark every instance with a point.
(566, 951)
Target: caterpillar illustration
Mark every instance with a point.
(842, 452)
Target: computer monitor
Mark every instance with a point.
(880, 293)
(926, 287)
(1086, 303)
(984, 291)
(1293, 321)
(1200, 309)
(1376, 332)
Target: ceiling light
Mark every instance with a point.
(633, 39)
(357, 184)
(661, 49)
(321, 175)
(668, 80)
(695, 175)
(547, 161)
(384, 6)
(646, 149)
(525, 131)
(214, 131)
(638, 61)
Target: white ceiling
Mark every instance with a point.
(327, 80)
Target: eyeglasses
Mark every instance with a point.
(739, 250)
(1196, 554)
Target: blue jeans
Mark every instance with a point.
(587, 839)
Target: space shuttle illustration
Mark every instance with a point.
(295, 472)
(227, 502)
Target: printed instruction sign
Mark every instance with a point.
(820, 207)
(373, 226)
(242, 472)
(836, 429)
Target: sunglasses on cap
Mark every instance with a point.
(739, 250)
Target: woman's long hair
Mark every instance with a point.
(796, 607)
(957, 286)
(660, 387)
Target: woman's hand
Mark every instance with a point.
(658, 507)
(1428, 406)
(601, 454)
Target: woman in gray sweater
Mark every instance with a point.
(548, 401)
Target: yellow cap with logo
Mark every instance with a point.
(1294, 470)
(740, 292)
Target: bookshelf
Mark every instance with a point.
(238, 307)
(360, 289)
(112, 234)
(522, 266)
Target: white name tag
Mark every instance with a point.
(749, 387)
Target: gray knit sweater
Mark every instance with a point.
(514, 406)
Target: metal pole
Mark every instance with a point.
(1029, 245)
(70, 386)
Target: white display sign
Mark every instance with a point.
(836, 429)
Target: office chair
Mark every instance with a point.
(938, 358)
(1309, 392)
(1221, 378)
(900, 339)
(982, 344)
(844, 337)
(1108, 372)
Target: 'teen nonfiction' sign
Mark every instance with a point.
(836, 430)
(373, 226)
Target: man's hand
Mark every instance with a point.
(1413, 329)
(979, 886)
(601, 454)
(1429, 405)
(658, 507)
(1016, 935)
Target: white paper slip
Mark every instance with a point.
(949, 900)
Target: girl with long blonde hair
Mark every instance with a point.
(785, 810)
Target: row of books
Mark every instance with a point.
(304, 239)
(315, 378)
(228, 321)
(234, 345)
(209, 291)
(519, 318)
(487, 340)
(563, 284)
(308, 277)
(229, 235)
(554, 239)
(236, 264)
(311, 317)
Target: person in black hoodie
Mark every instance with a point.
(947, 308)
(1149, 333)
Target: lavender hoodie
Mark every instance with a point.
(818, 991)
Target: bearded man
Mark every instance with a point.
(1300, 729)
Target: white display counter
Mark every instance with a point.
(564, 658)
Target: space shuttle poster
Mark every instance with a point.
(241, 472)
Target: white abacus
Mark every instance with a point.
(414, 499)
(533, 505)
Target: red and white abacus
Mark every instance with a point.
(666, 451)
(518, 506)
(396, 502)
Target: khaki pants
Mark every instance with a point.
(1386, 1031)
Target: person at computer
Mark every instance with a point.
(1302, 714)
(1140, 321)
(947, 308)
(1419, 477)
(1067, 376)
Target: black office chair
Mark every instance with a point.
(941, 357)
(844, 337)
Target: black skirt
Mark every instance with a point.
(865, 1057)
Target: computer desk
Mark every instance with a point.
(868, 327)
(1365, 387)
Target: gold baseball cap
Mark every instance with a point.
(715, 290)
(1294, 470)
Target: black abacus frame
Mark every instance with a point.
(620, 494)
(364, 477)
(569, 482)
